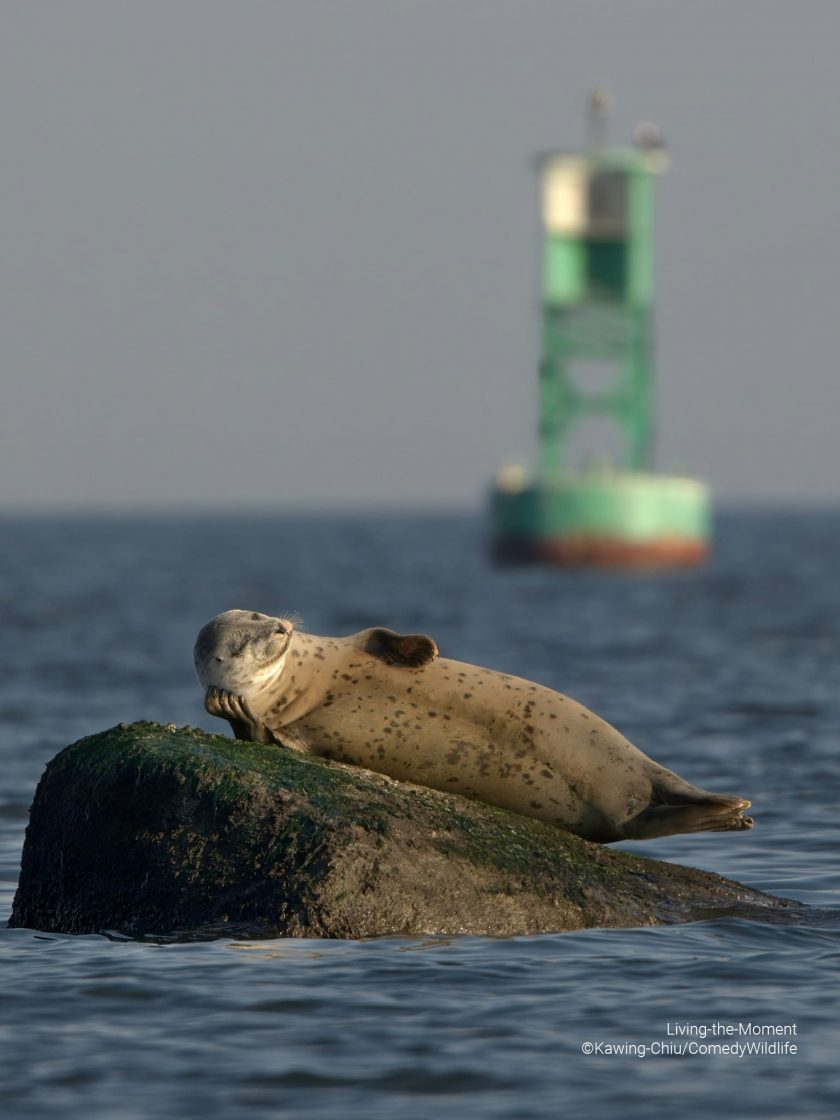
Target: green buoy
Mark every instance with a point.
(597, 370)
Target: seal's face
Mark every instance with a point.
(240, 651)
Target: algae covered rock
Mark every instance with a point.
(155, 831)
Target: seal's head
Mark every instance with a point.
(240, 651)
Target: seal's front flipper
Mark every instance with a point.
(237, 712)
(410, 650)
(721, 813)
(245, 724)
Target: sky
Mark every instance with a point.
(284, 254)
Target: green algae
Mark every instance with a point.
(231, 768)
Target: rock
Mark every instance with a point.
(153, 831)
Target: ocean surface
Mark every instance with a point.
(730, 675)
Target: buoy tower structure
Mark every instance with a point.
(597, 371)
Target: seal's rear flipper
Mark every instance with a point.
(411, 650)
(719, 813)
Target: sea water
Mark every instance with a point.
(729, 675)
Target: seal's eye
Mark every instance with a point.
(218, 658)
(255, 617)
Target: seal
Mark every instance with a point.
(390, 703)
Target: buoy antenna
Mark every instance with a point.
(598, 119)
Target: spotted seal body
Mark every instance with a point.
(389, 703)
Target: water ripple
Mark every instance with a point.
(730, 675)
